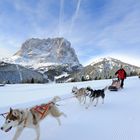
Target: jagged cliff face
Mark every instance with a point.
(38, 53)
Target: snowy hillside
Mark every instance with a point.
(117, 119)
(110, 63)
(14, 73)
(105, 68)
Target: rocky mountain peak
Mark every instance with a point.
(46, 52)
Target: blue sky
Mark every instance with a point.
(95, 28)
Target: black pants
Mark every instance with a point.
(122, 82)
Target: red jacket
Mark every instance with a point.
(121, 74)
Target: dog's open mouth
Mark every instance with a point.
(8, 129)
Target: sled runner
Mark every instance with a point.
(115, 85)
(2, 85)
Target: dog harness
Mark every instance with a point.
(43, 109)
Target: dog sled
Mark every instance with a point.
(115, 86)
(2, 85)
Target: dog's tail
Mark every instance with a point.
(105, 88)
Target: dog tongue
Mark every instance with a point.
(8, 129)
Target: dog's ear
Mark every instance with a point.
(88, 88)
(11, 110)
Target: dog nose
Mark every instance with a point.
(1, 128)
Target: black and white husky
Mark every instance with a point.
(95, 94)
(31, 117)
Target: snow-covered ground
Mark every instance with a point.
(117, 119)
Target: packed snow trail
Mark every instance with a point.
(117, 119)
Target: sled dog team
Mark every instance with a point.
(82, 93)
(31, 117)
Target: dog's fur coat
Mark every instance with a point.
(80, 94)
(95, 94)
(30, 118)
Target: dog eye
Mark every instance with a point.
(9, 121)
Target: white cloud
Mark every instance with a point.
(117, 30)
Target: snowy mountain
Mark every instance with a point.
(51, 57)
(103, 68)
(41, 53)
(106, 67)
(117, 119)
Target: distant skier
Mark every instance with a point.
(121, 74)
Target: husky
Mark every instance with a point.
(31, 117)
(80, 94)
(95, 94)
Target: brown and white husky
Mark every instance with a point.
(31, 117)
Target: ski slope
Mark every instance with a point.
(117, 119)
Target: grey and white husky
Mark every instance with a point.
(80, 94)
(31, 117)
